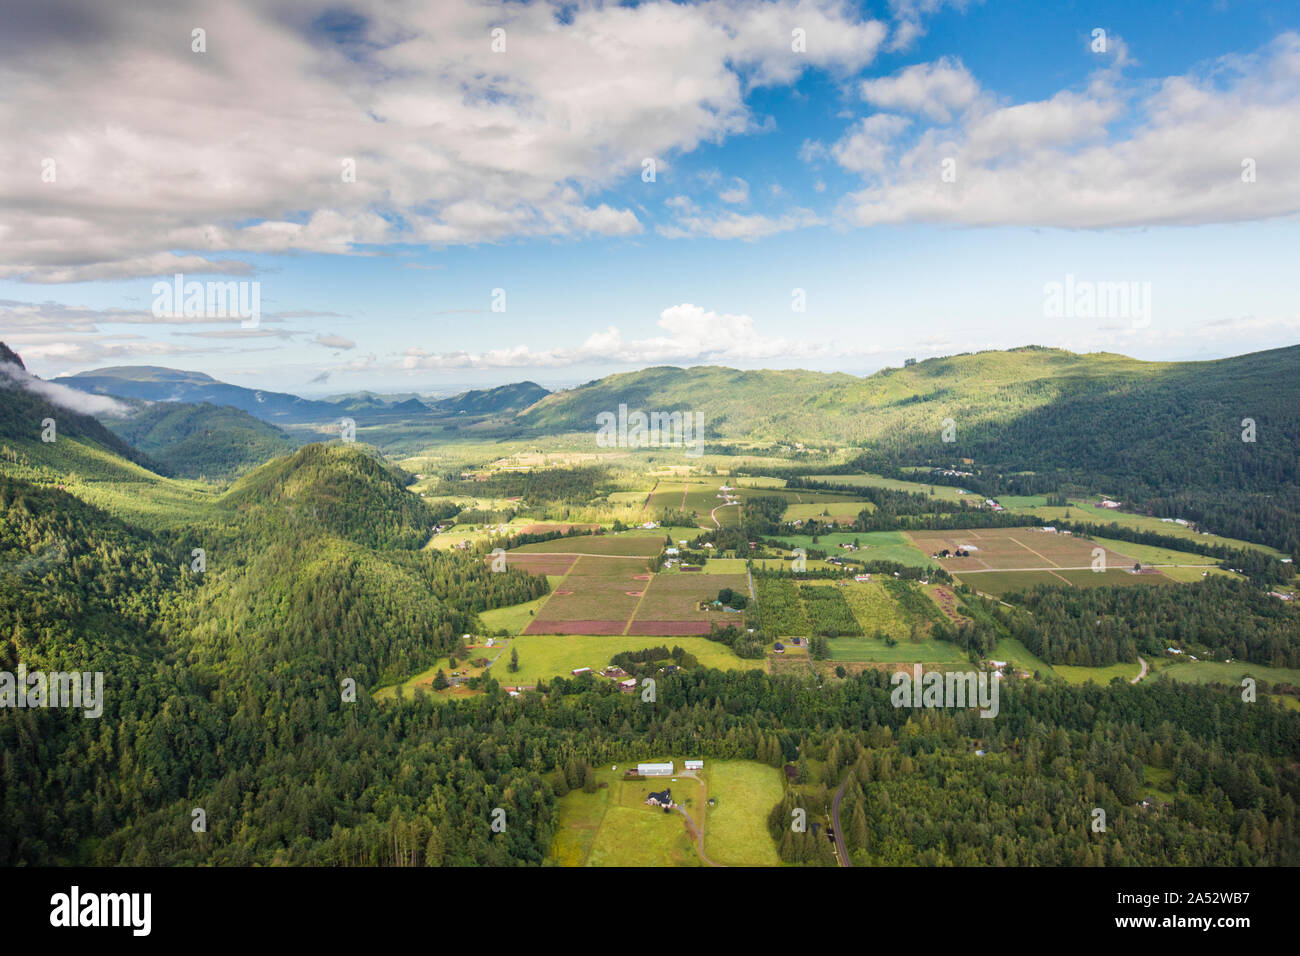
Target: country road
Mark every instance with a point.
(699, 831)
(714, 513)
(1143, 661)
(841, 849)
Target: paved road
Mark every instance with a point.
(1142, 660)
(841, 850)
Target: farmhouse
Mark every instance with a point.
(655, 769)
(664, 798)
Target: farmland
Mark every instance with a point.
(597, 596)
(544, 656)
(614, 827)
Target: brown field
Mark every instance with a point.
(597, 596)
(670, 604)
(540, 563)
(545, 528)
(1013, 549)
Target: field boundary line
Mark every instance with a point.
(1033, 552)
(636, 610)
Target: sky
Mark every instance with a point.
(432, 196)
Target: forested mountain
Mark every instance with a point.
(156, 384)
(195, 441)
(494, 401)
(1217, 442)
(22, 412)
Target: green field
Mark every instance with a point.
(1084, 512)
(877, 651)
(735, 831)
(724, 566)
(1217, 672)
(843, 511)
(1148, 554)
(614, 827)
(876, 609)
(873, 546)
(1098, 675)
(998, 583)
(512, 619)
(942, 492)
(1011, 650)
(543, 656)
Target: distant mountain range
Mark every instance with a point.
(156, 384)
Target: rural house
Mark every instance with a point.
(664, 798)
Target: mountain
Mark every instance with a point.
(341, 489)
(1166, 435)
(202, 440)
(155, 384)
(494, 401)
(28, 402)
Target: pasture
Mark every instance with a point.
(670, 604)
(544, 656)
(735, 831)
(644, 544)
(893, 546)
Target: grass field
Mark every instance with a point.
(998, 583)
(869, 649)
(1084, 512)
(724, 566)
(674, 599)
(842, 512)
(735, 830)
(873, 546)
(543, 656)
(1011, 650)
(1217, 672)
(614, 827)
(1148, 554)
(512, 619)
(941, 492)
(1097, 675)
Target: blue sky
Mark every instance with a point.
(776, 170)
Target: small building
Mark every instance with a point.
(627, 685)
(655, 769)
(695, 765)
(581, 670)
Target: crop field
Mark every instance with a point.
(725, 566)
(645, 544)
(876, 610)
(826, 609)
(598, 596)
(999, 583)
(1012, 549)
(671, 604)
(782, 611)
(548, 564)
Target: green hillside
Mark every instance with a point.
(202, 441)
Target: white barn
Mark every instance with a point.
(695, 765)
(655, 769)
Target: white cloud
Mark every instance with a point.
(690, 334)
(937, 89)
(736, 193)
(867, 145)
(1056, 162)
(61, 395)
(170, 161)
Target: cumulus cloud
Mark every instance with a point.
(306, 129)
(690, 333)
(1180, 151)
(936, 89)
